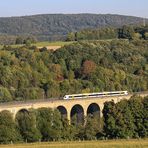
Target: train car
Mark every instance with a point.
(95, 95)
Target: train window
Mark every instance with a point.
(95, 95)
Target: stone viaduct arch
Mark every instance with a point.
(77, 113)
(63, 111)
(68, 108)
(20, 113)
(94, 110)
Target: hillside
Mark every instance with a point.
(28, 73)
(55, 26)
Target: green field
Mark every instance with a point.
(87, 144)
(57, 43)
(44, 44)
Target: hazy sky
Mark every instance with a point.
(29, 7)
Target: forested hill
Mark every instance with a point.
(47, 25)
(28, 73)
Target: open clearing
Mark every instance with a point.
(48, 45)
(143, 143)
(57, 43)
(52, 45)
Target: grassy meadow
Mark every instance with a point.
(142, 143)
(57, 43)
(44, 44)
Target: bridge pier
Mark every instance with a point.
(101, 110)
(68, 116)
(14, 114)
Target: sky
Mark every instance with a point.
(30, 7)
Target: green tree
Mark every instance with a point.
(56, 133)
(109, 119)
(70, 36)
(44, 123)
(124, 120)
(146, 35)
(26, 121)
(91, 128)
(144, 131)
(49, 123)
(5, 95)
(8, 129)
(126, 32)
(66, 128)
(136, 107)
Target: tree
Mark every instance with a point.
(26, 121)
(66, 128)
(56, 133)
(146, 35)
(126, 32)
(5, 95)
(71, 75)
(19, 40)
(88, 67)
(91, 128)
(124, 120)
(136, 107)
(144, 131)
(44, 123)
(109, 119)
(8, 129)
(56, 68)
(49, 123)
(70, 36)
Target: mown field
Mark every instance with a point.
(143, 143)
(44, 44)
(57, 43)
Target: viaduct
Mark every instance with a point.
(68, 108)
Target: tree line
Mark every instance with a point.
(126, 119)
(29, 73)
(15, 40)
(125, 32)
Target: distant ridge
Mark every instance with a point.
(47, 26)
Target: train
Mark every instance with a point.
(95, 95)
